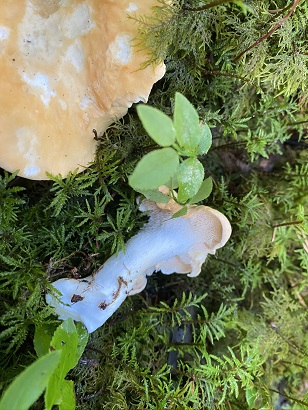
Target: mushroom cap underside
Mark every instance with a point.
(209, 228)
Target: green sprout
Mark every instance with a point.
(176, 164)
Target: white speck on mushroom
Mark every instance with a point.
(4, 33)
(78, 22)
(63, 104)
(31, 171)
(137, 100)
(84, 103)
(33, 43)
(26, 144)
(121, 49)
(75, 56)
(41, 81)
(132, 7)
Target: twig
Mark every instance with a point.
(270, 32)
(303, 236)
(220, 74)
(298, 295)
(298, 122)
(304, 403)
(287, 224)
(293, 364)
(291, 343)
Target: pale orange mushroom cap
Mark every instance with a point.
(67, 67)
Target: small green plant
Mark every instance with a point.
(58, 353)
(244, 345)
(184, 137)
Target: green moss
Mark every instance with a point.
(244, 344)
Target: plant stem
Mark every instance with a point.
(269, 33)
(290, 398)
(207, 6)
(219, 73)
(287, 224)
(291, 343)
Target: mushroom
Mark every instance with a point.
(68, 69)
(164, 244)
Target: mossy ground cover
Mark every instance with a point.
(243, 322)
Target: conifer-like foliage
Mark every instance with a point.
(236, 336)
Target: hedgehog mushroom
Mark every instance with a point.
(178, 245)
(69, 69)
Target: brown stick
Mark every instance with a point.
(220, 74)
(287, 224)
(269, 33)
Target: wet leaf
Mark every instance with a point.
(190, 177)
(154, 169)
(186, 123)
(204, 191)
(30, 384)
(157, 124)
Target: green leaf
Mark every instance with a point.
(252, 395)
(157, 124)
(204, 191)
(181, 212)
(154, 169)
(68, 396)
(205, 140)
(30, 384)
(186, 123)
(190, 177)
(172, 183)
(66, 340)
(156, 196)
(42, 337)
(83, 337)
(245, 8)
